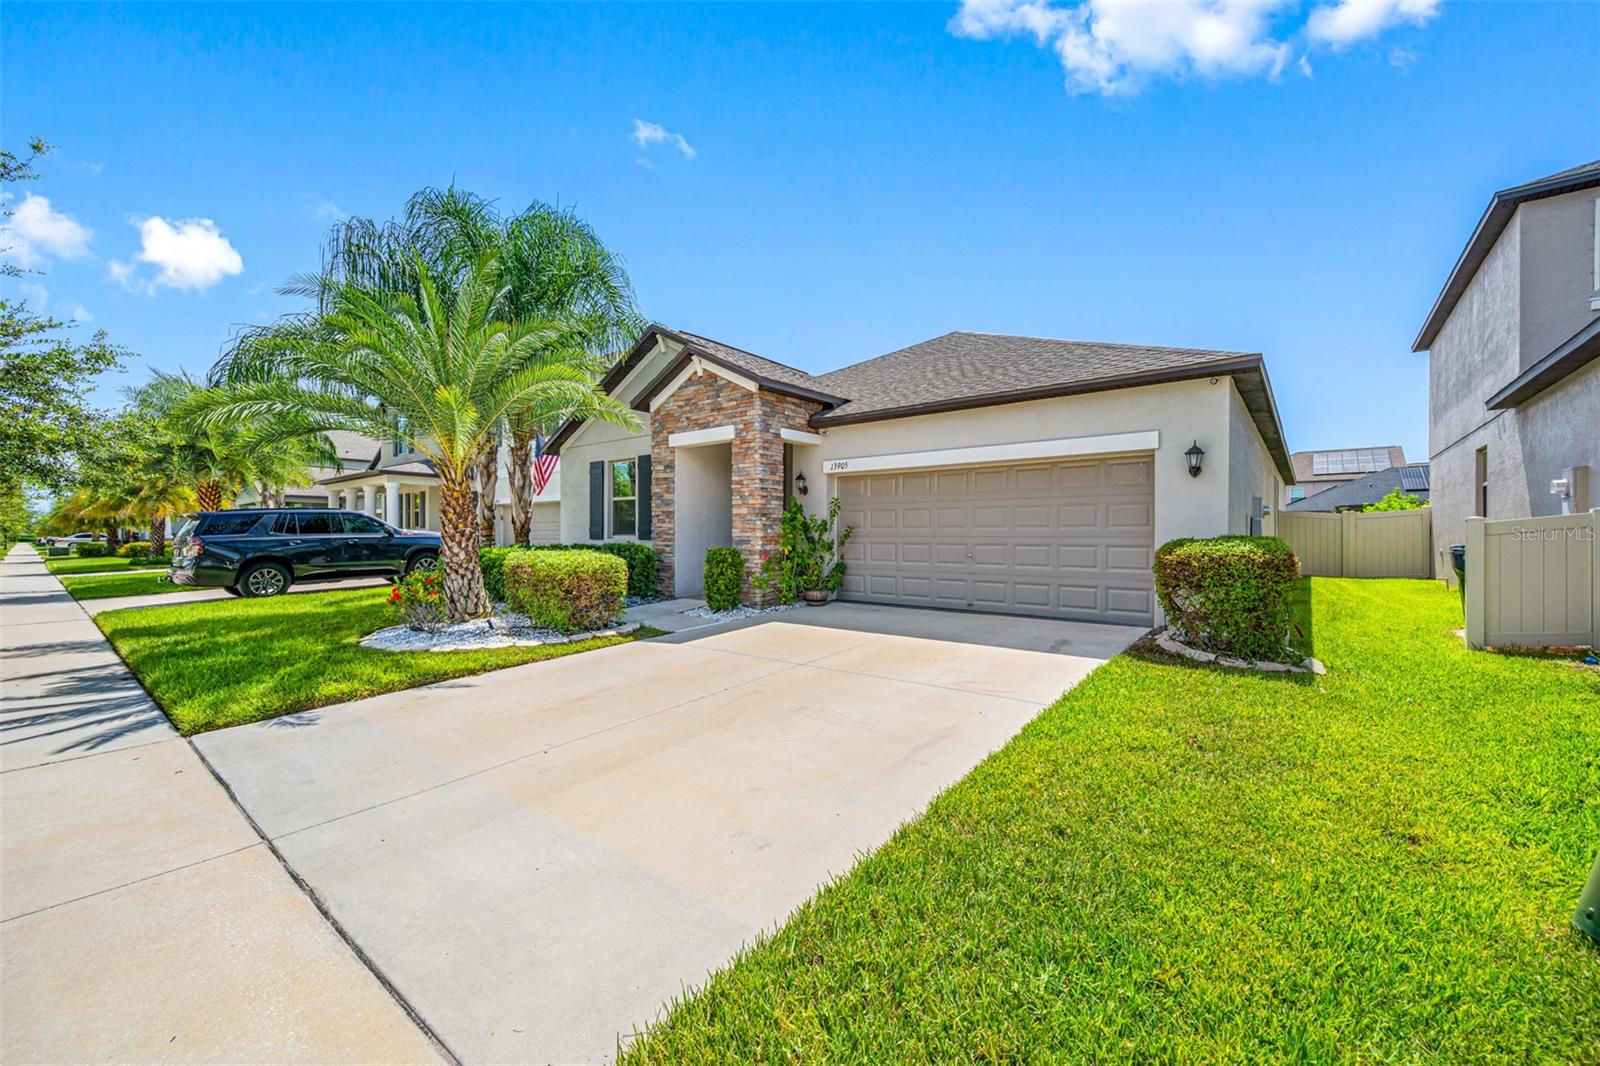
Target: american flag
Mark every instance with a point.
(544, 466)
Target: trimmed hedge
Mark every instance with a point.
(135, 549)
(644, 565)
(92, 550)
(567, 591)
(724, 578)
(492, 561)
(1229, 595)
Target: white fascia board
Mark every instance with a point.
(628, 387)
(693, 438)
(800, 436)
(1147, 440)
(696, 367)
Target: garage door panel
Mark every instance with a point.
(1072, 539)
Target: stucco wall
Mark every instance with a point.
(1181, 412)
(1251, 472)
(1557, 271)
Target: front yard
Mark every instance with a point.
(227, 662)
(73, 564)
(1180, 863)
(126, 583)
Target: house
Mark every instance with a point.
(1512, 341)
(1355, 495)
(983, 472)
(402, 488)
(1316, 471)
(353, 451)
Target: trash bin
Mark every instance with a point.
(1458, 561)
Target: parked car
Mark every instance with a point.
(76, 539)
(261, 552)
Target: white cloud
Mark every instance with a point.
(36, 232)
(327, 211)
(36, 295)
(1114, 47)
(1348, 21)
(646, 134)
(189, 254)
(81, 313)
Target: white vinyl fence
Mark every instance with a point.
(1350, 544)
(1534, 582)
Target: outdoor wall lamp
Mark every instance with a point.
(800, 484)
(1194, 454)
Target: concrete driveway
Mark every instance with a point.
(539, 858)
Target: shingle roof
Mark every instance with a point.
(952, 370)
(758, 366)
(1369, 489)
(1502, 205)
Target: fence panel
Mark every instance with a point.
(1537, 581)
(1350, 544)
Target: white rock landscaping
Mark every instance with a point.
(736, 613)
(1167, 642)
(503, 629)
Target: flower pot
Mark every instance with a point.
(815, 597)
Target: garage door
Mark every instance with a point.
(1065, 539)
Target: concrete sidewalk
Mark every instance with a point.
(142, 917)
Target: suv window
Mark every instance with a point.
(361, 524)
(315, 524)
(283, 525)
(230, 525)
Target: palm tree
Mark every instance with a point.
(441, 376)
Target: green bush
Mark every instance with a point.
(492, 561)
(566, 590)
(724, 578)
(809, 556)
(93, 550)
(1396, 500)
(135, 549)
(644, 565)
(1229, 595)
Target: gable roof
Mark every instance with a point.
(1572, 354)
(1351, 462)
(1502, 205)
(965, 370)
(1413, 480)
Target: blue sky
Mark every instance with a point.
(828, 182)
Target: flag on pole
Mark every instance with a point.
(544, 466)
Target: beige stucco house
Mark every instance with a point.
(1513, 346)
(980, 471)
(402, 488)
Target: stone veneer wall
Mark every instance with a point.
(705, 402)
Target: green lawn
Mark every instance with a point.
(227, 662)
(72, 564)
(127, 583)
(1179, 863)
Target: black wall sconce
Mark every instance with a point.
(800, 484)
(1194, 454)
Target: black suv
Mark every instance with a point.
(261, 552)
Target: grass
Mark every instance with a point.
(228, 662)
(1181, 863)
(128, 583)
(72, 564)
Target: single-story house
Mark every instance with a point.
(981, 472)
(1355, 495)
(1318, 471)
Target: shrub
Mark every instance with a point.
(1396, 500)
(644, 565)
(1229, 595)
(492, 561)
(808, 556)
(419, 597)
(93, 550)
(566, 590)
(135, 549)
(724, 578)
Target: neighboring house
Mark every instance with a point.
(1316, 471)
(354, 452)
(1355, 495)
(1512, 341)
(980, 471)
(402, 488)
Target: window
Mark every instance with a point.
(284, 526)
(624, 499)
(231, 525)
(317, 524)
(361, 525)
(413, 510)
(1481, 483)
(1296, 493)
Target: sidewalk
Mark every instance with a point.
(142, 918)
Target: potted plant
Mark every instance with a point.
(808, 561)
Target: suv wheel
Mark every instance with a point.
(262, 580)
(422, 561)
(232, 590)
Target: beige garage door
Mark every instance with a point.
(1062, 539)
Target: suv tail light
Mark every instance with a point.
(192, 549)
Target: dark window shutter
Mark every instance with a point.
(642, 487)
(597, 501)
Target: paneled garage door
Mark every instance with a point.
(1061, 539)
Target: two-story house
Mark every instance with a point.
(1316, 472)
(1512, 342)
